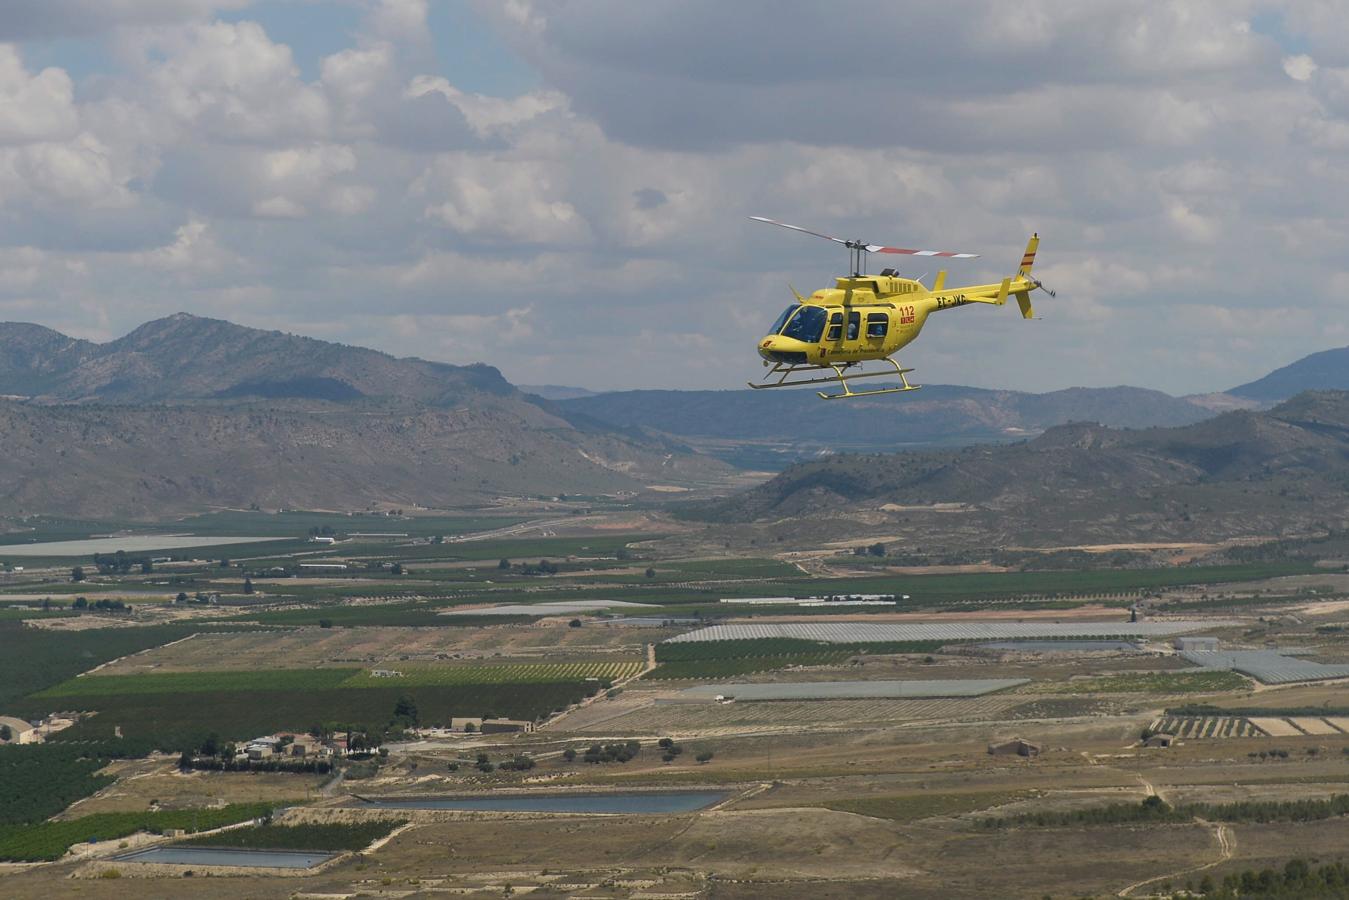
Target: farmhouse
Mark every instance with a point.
(1014, 747)
(500, 726)
(19, 731)
(1160, 739)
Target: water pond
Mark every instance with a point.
(636, 803)
(220, 856)
(132, 543)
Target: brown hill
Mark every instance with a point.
(187, 413)
(1280, 472)
(185, 358)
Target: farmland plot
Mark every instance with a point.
(524, 673)
(706, 718)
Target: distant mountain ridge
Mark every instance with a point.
(1325, 371)
(1281, 472)
(736, 424)
(189, 358)
(187, 413)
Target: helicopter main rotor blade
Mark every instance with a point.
(870, 248)
(804, 231)
(948, 254)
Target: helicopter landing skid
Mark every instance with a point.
(837, 376)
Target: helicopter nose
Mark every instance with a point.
(777, 349)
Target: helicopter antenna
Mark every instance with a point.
(858, 249)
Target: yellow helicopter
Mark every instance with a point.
(870, 317)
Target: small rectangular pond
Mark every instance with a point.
(135, 543)
(636, 803)
(221, 856)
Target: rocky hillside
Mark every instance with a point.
(187, 413)
(185, 358)
(1280, 472)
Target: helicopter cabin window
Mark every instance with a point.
(854, 325)
(807, 325)
(877, 325)
(835, 326)
(782, 319)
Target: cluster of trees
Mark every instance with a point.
(120, 564)
(1298, 878)
(40, 780)
(518, 763)
(606, 753)
(543, 568)
(1154, 809)
(1276, 753)
(876, 549)
(188, 762)
(103, 605)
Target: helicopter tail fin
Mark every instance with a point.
(1028, 259)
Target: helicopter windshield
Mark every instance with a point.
(782, 319)
(807, 325)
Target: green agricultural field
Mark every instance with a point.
(39, 780)
(51, 840)
(34, 659)
(1206, 681)
(725, 659)
(199, 682)
(177, 721)
(528, 673)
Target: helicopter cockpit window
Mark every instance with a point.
(877, 325)
(835, 326)
(807, 325)
(782, 319)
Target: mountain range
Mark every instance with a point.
(1274, 473)
(772, 429)
(188, 413)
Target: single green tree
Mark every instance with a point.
(77, 573)
(248, 585)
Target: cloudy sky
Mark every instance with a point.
(559, 187)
